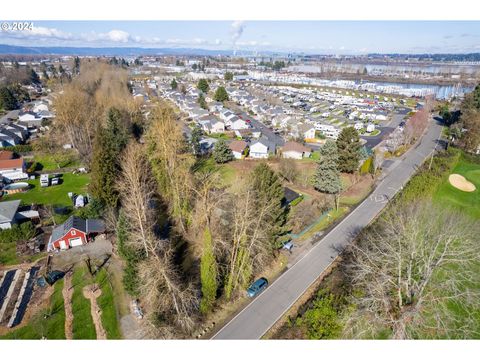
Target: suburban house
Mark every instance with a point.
(74, 232)
(29, 116)
(295, 150)
(259, 149)
(10, 168)
(306, 131)
(211, 125)
(10, 215)
(8, 137)
(238, 148)
(237, 124)
(216, 127)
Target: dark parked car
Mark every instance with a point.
(257, 287)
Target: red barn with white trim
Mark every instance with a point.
(74, 232)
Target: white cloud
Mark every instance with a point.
(39, 32)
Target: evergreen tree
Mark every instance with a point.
(327, 177)
(194, 67)
(174, 84)
(109, 143)
(33, 77)
(221, 94)
(221, 152)
(195, 140)
(228, 76)
(208, 274)
(7, 99)
(348, 145)
(76, 65)
(203, 85)
(131, 256)
(202, 102)
(269, 190)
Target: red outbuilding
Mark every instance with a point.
(75, 232)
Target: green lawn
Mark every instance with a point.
(52, 195)
(49, 162)
(8, 255)
(464, 201)
(49, 323)
(107, 304)
(83, 327)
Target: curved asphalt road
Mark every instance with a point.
(263, 312)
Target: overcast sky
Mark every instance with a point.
(332, 37)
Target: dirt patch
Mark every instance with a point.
(92, 292)
(67, 293)
(359, 189)
(460, 183)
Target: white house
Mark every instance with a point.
(330, 131)
(40, 106)
(370, 128)
(259, 150)
(238, 124)
(307, 131)
(238, 148)
(217, 127)
(294, 150)
(358, 125)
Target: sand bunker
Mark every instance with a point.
(459, 182)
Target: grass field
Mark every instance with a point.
(49, 323)
(52, 195)
(464, 201)
(8, 255)
(83, 327)
(107, 304)
(47, 162)
(468, 203)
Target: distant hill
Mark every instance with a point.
(105, 51)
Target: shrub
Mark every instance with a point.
(19, 148)
(426, 182)
(366, 166)
(321, 321)
(24, 231)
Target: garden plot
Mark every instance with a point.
(16, 290)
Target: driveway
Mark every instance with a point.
(263, 312)
(94, 250)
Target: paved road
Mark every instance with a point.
(262, 313)
(267, 132)
(397, 118)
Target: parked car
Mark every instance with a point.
(257, 287)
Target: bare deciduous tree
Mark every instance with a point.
(171, 164)
(411, 270)
(162, 292)
(249, 246)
